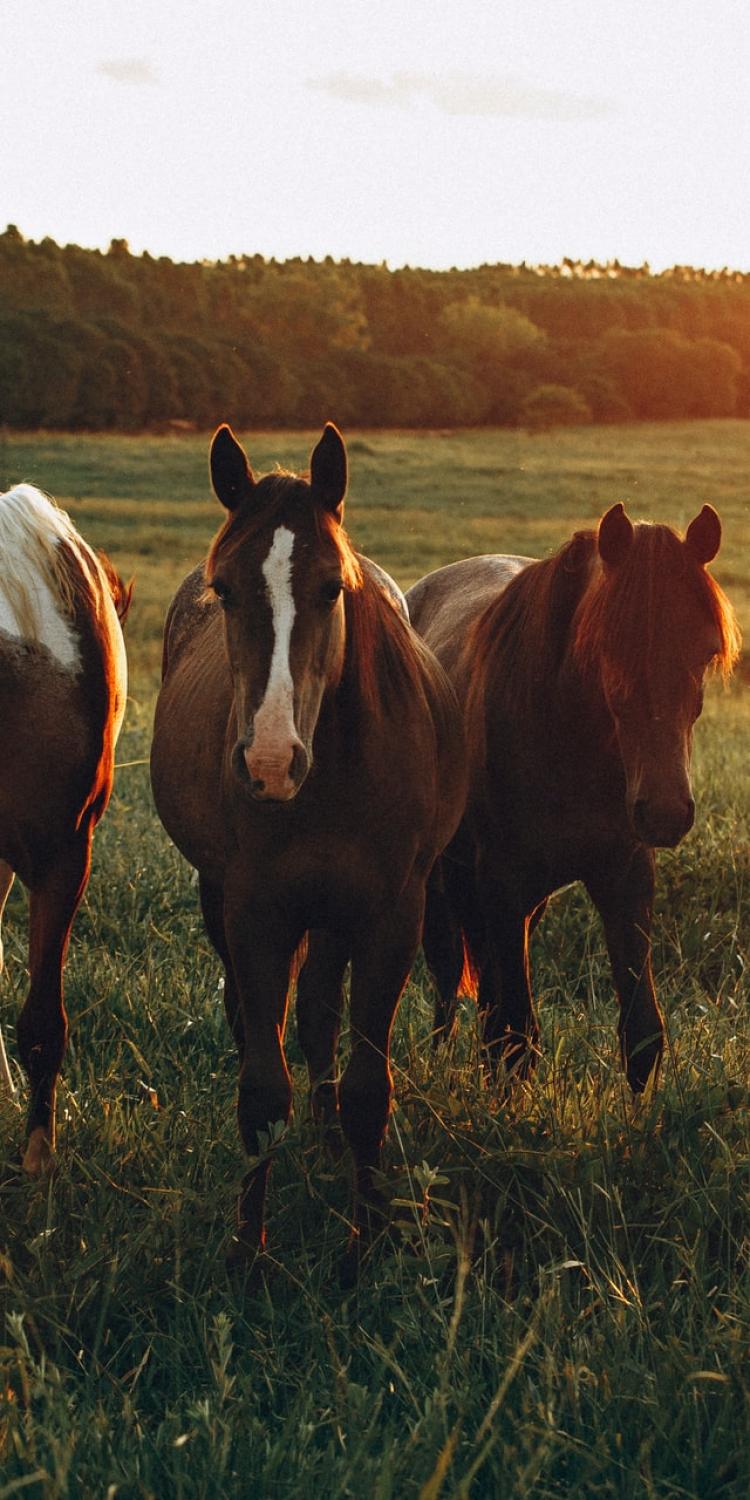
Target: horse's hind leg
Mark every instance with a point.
(510, 1030)
(42, 1025)
(320, 998)
(6, 881)
(212, 907)
(452, 931)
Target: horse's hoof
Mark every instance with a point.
(38, 1159)
(644, 1064)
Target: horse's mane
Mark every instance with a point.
(522, 636)
(385, 658)
(569, 605)
(628, 607)
(37, 537)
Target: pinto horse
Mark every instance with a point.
(580, 678)
(308, 761)
(63, 682)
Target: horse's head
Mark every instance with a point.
(278, 567)
(652, 622)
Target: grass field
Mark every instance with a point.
(564, 1307)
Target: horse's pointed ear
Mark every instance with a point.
(231, 475)
(328, 470)
(615, 535)
(703, 536)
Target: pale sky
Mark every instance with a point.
(421, 132)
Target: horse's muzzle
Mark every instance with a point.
(270, 778)
(662, 827)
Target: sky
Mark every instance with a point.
(416, 132)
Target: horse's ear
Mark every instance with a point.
(231, 475)
(328, 471)
(615, 535)
(703, 537)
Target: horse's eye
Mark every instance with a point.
(331, 590)
(221, 590)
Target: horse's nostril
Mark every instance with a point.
(299, 764)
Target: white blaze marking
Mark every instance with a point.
(274, 721)
(54, 629)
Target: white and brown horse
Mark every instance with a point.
(308, 761)
(63, 682)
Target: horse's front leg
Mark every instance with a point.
(320, 998)
(623, 893)
(382, 957)
(261, 948)
(42, 1024)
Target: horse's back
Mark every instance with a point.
(445, 604)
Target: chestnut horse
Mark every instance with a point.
(308, 760)
(580, 678)
(63, 682)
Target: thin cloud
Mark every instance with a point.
(135, 71)
(462, 94)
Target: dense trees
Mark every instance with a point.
(95, 341)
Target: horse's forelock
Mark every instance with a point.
(274, 497)
(627, 610)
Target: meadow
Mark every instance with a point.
(563, 1305)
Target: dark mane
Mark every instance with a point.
(384, 656)
(629, 609)
(522, 636)
(569, 603)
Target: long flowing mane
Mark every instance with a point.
(521, 637)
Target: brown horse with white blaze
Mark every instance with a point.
(580, 678)
(63, 683)
(308, 761)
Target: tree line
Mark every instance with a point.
(93, 340)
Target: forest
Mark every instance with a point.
(113, 341)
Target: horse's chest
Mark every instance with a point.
(325, 876)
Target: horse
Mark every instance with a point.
(308, 761)
(580, 678)
(63, 684)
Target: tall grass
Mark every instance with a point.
(562, 1306)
